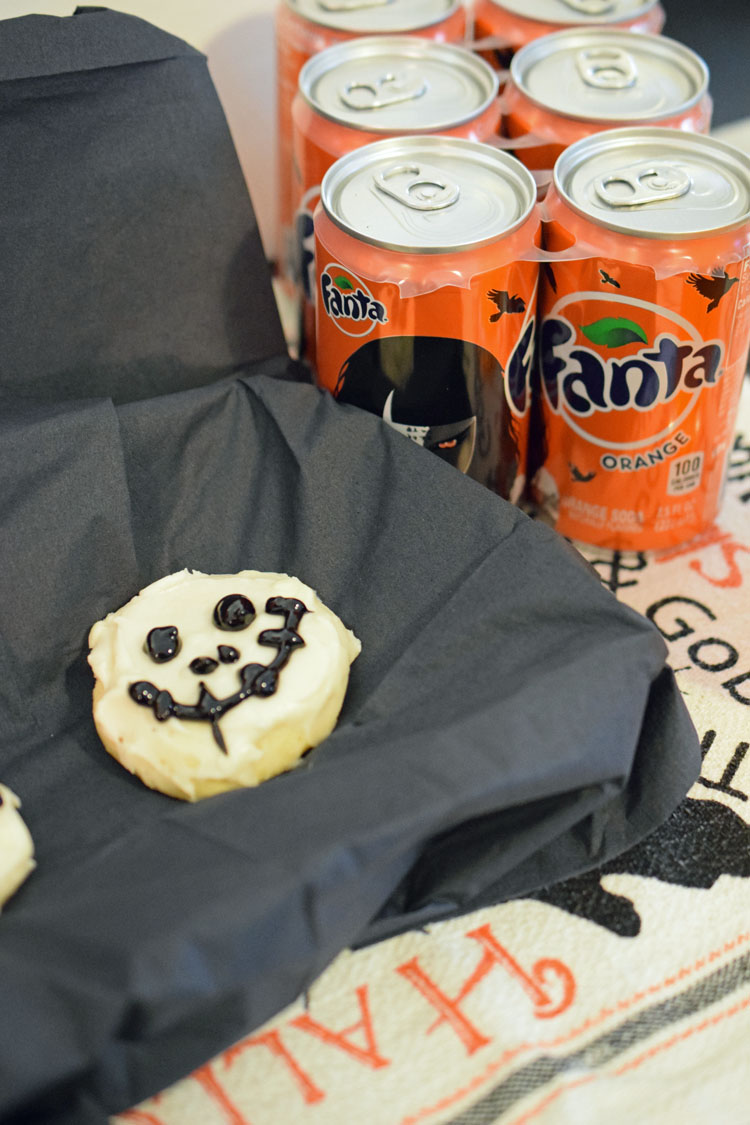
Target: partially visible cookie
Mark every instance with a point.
(209, 682)
(16, 846)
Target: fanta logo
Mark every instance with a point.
(348, 301)
(660, 376)
(518, 375)
(585, 382)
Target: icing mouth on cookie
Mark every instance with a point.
(194, 706)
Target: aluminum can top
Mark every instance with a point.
(656, 183)
(597, 74)
(394, 84)
(428, 194)
(577, 11)
(362, 17)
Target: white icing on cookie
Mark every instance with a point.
(193, 732)
(16, 846)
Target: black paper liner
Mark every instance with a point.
(508, 723)
(129, 240)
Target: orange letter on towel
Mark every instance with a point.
(341, 1039)
(271, 1039)
(544, 972)
(208, 1080)
(733, 576)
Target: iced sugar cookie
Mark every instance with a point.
(209, 682)
(16, 845)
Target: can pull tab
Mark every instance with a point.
(645, 183)
(607, 68)
(351, 5)
(419, 186)
(390, 89)
(591, 7)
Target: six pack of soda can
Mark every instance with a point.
(510, 235)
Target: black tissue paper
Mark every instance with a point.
(129, 242)
(508, 723)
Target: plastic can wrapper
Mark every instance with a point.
(637, 293)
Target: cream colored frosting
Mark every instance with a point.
(16, 846)
(263, 735)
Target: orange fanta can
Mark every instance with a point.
(514, 23)
(570, 84)
(365, 90)
(644, 329)
(304, 27)
(427, 270)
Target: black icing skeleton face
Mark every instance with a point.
(210, 682)
(232, 616)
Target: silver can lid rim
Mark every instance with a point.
(321, 19)
(403, 46)
(659, 46)
(666, 141)
(521, 8)
(515, 174)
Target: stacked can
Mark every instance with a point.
(570, 84)
(514, 23)
(427, 274)
(643, 337)
(367, 89)
(304, 27)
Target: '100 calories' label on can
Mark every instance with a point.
(427, 284)
(643, 339)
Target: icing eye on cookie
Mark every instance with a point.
(192, 715)
(233, 612)
(163, 643)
